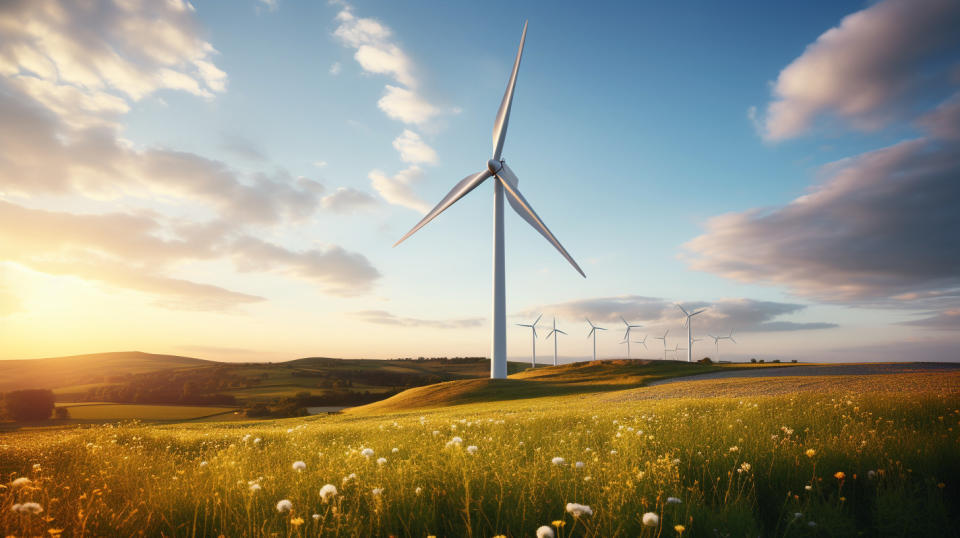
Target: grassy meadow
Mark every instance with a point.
(875, 456)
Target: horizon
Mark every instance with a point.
(226, 182)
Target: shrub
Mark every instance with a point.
(26, 405)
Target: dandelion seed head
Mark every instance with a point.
(20, 482)
(299, 466)
(673, 500)
(578, 510)
(651, 519)
(558, 461)
(381, 461)
(545, 532)
(284, 505)
(327, 492)
(472, 449)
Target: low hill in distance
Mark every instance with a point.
(580, 377)
(54, 372)
(143, 378)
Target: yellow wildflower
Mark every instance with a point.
(811, 452)
(558, 523)
(297, 521)
(839, 475)
(679, 529)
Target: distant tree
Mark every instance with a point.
(705, 360)
(762, 361)
(776, 360)
(794, 360)
(25, 405)
(61, 413)
(753, 361)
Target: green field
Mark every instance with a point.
(872, 455)
(108, 411)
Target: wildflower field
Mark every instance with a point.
(876, 456)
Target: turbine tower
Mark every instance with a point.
(686, 322)
(533, 329)
(626, 335)
(664, 338)
(593, 333)
(554, 333)
(507, 181)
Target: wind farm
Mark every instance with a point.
(233, 302)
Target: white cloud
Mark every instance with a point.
(406, 106)
(335, 68)
(413, 149)
(399, 188)
(868, 69)
(374, 51)
(346, 200)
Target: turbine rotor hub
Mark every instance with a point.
(494, 166)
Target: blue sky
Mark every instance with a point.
(632, 127)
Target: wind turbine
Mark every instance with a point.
(686, 322)
(554, 333)
(664, 338)
(626, 335)
(642, 342)
(507, 181)
(676, 349)
(533, 329)
(593, 332)
(716, 341)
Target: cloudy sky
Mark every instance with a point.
(226, 179)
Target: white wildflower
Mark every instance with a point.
(673, 500)
(284, 505)
(381, 461)
(327, 492)
(578, 465)
(577, 510)
(650, 519)
(367, 452)
(349, 478)
(20, 482)
(558, 461)
(545, 532)
(394, 450)
(472, 449)
(377, 491)
(299, 466)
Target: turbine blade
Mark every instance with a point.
(538, 319)
(525, 210)
(731, 339)
(685, 313)
(549, 334)
(503, 115)
(559, 331)
(591, 332)
(624, 321)
(458, 191)
(697, 312)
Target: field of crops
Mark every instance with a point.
(108, 411)
(880, 459)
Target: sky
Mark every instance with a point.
(226, 180)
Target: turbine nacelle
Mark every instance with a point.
(494, 166)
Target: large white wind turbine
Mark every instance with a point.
(555, 332)
(593, 333)
(507, 181)
(533, 329)
(642, 342)
(664, 338)
(626, 335)
(686, 322)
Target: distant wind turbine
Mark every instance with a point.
(642, 342)
(626, 335)
(689, 326)
(554, 333)
(533, 330)
(507, 181)
(716, 341)
(664, 338)
(593, 333)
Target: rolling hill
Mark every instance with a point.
(78, 370)
(580, 377)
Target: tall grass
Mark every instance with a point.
(811, 464)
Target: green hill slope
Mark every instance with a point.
(593, 376)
